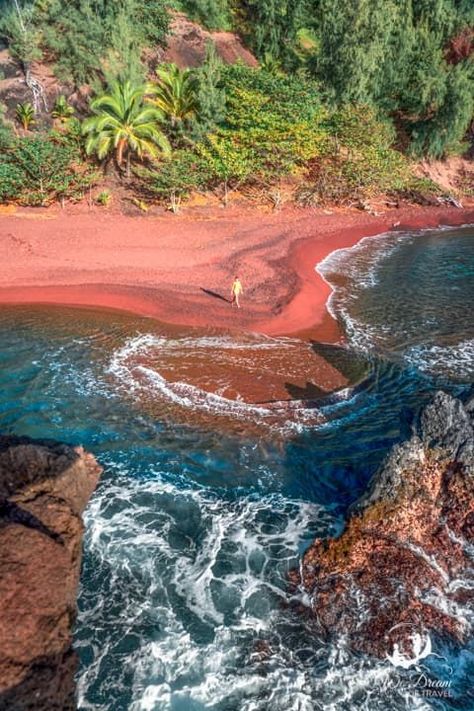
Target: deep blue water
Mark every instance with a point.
(206, 502)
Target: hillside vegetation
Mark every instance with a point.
(346, 96)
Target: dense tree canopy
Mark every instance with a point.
(395, 56)
(347, 93)
(82, 34)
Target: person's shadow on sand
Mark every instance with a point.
(215, 295)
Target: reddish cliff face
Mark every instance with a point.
(399, 566)
(187, 42)
(44, 487)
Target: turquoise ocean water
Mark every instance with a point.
(207, 501)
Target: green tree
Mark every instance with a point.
(354, 39)
(210, 93)
(213, 14)
(38, 170)
(121, 59)
(152, 20)
(124, 125)
(395, 56)
(270, 26)
(19, 29)
(75, 35)
(25, 115)
(62, 109)
(444, 131)
(175, 95)
(6, 133)
(88, 38)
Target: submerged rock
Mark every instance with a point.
(404, 564)
(44, 487)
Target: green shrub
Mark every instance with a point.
(182, 173)
(104, 198)
(360, 161)
(11, 181)
(289, 97)
(35, 171)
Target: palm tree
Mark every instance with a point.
(123, 124)
(62, 110)
(25, 115)
(176, 94)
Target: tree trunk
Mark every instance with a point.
(128, 164)
(119, 153)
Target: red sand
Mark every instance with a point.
(160, 266)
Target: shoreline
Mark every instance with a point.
(178, 269)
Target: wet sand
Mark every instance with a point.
(179, 269)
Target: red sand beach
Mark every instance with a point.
(178, 268)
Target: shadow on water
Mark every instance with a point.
(332, 465)
(309, 392)
(353, 366)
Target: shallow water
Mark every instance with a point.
(212, 487)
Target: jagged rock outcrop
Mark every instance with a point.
(44, 487)
(404, 562)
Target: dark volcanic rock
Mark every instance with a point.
(44, 487)
(403, 561)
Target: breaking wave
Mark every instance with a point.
(195, 613)
(390, 293)
(136, 368)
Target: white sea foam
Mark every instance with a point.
(360, 263)
(139, 379)
(228, 577)
(180, 617)
(457, 359)
(351, 271)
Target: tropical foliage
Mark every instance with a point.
(175, 95)
(39, 170)
(347, 94)
(123, 124)
(62, 110)
(25, 115)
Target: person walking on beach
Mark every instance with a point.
(236, 291)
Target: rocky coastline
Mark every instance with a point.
(44, 488)
(403, 566)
